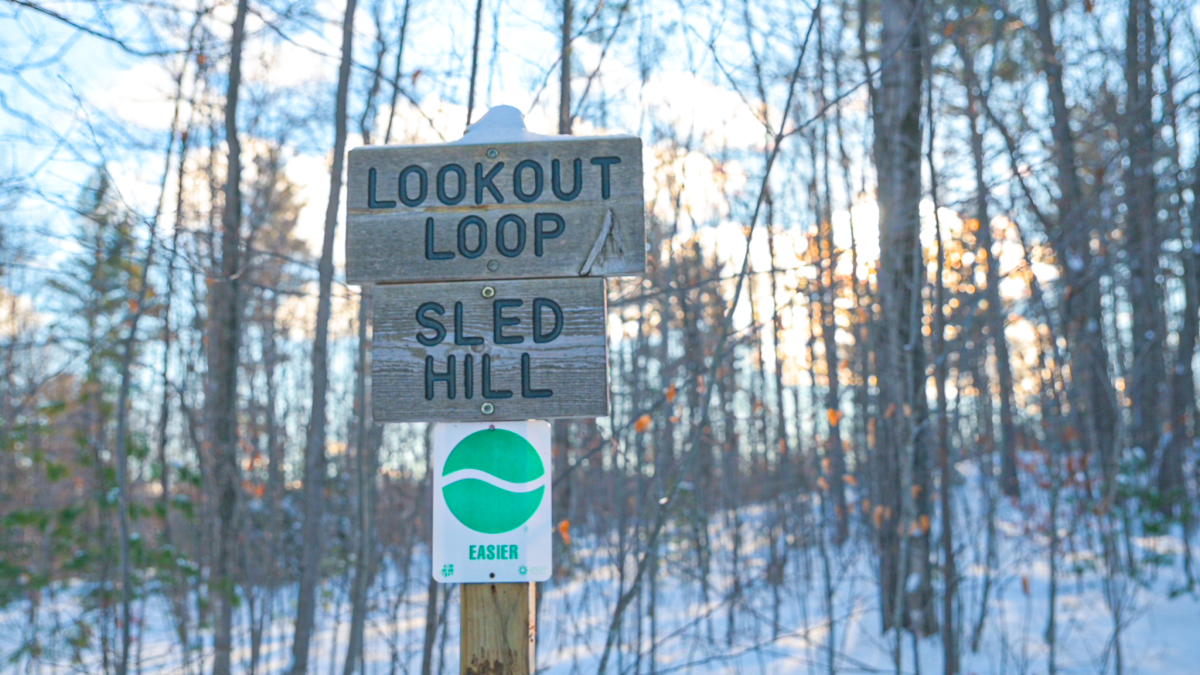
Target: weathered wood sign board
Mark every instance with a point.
(490, 350)
(557, 208)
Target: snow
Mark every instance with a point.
(506, 124)
(1159, 617)
(913, 583)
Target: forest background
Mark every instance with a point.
(914, 357)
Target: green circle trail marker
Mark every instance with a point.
(484, 506)
(491, 510)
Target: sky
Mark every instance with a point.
(72, 102)
(84, 103)
(92, 103)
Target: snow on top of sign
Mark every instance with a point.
(502, 124)
(506, 124)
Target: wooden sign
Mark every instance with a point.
(490, 350)
(554, 208)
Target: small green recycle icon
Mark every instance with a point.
(489, 503)
(523, 570)
(447, 570)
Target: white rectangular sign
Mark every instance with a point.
(491, 502)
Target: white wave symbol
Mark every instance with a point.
(467, 474)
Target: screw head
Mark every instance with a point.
(493, 265)
(489, 291)
(493, 153)
(487, 408)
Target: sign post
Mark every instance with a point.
(488, 255)
(499, 629)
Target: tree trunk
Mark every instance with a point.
(221, 401)
(365, 467)
(431, 587)
(1092, 398)
(128, 345)
(387, 134)
(314, 455)
(1183, 382)
(941, 352)
(564, 81)
(903, 452)
(561, 428)
(474, 62)
(827, 288)
(1009, 484)
(361, 431)
(1143, 242)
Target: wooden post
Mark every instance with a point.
(499, 629)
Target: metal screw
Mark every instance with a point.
(487, 408)
(493, 265)
(493, 153)
(488, 291)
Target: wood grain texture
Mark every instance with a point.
(499, 629)
(566, 376)
(386, 241)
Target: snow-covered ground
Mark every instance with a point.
(720, 631)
